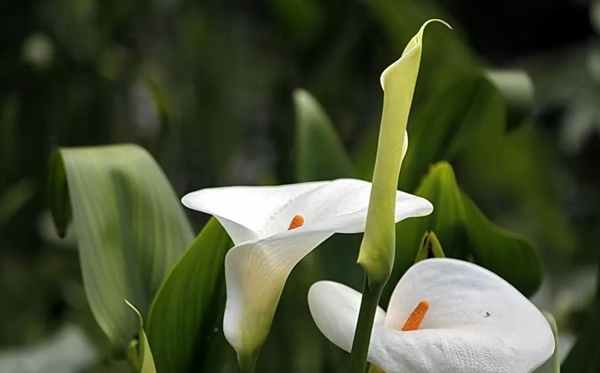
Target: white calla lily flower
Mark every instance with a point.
(445, 316)
(273, 228)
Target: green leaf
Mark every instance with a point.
(448, 123)
(491, 169)
(398, 82)
(131, 228)
(447, 221)
(553, 364)
(585, 355)
(161, 100)
(443, 127)
(144, 361)
(320, 153)
(184, 324)
(464, 232)
(506, 253)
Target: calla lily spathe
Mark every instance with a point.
(259, 219)
(476, 322)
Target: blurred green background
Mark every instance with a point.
(206, 87)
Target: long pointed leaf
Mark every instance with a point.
(448, 123)
(320, 154)
(131, 228)
(184, 322)
(144, 353)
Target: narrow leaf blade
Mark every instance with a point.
(320, 153)
(448, 123)
(184, 321)
(144, 352)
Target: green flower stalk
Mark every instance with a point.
(378, 246)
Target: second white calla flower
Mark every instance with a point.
(273, 228)
(445, 316)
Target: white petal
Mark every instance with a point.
(255, 273)
(245, 211)
(443, 351)
(250, 213)
(477, 322)
(341, 206)
(334, 307)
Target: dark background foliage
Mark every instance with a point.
(206, 87)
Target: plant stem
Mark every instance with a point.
(364, 327)
(247, 364)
